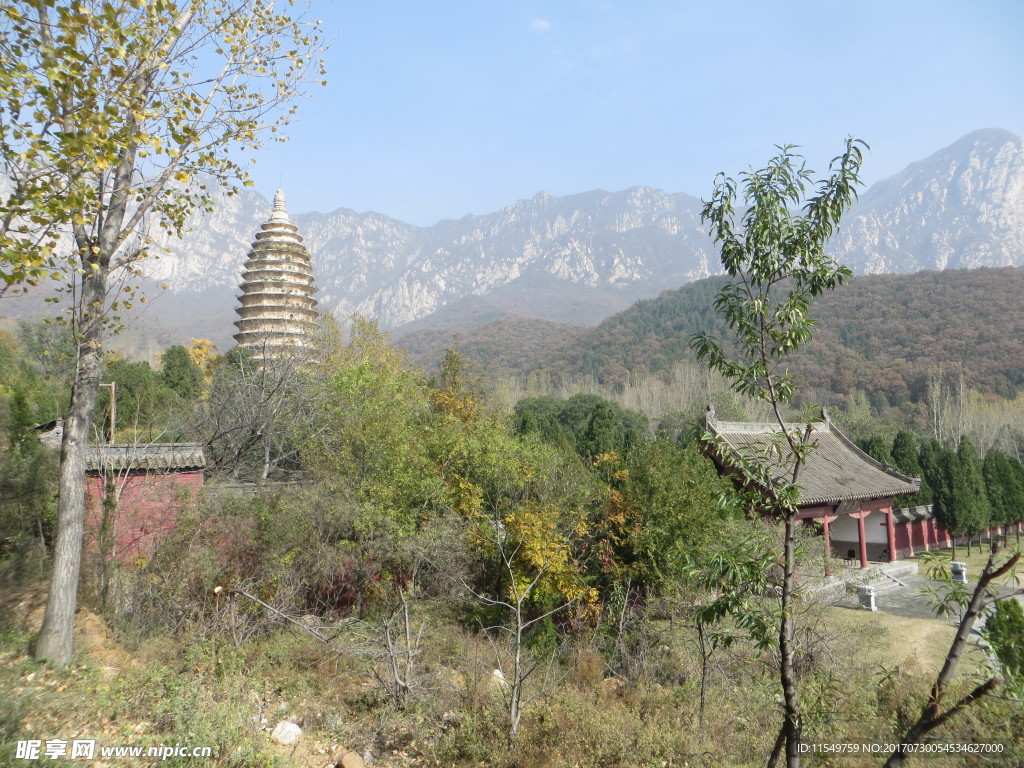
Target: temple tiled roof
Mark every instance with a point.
(913, 514)
(141, 458)
(834, 472)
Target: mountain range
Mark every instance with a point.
(581, 258)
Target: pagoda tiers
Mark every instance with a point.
(841, 488)
(278, 313)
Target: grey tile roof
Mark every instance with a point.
(156, 456)
(835, 471)
(913, 514)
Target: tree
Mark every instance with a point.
(181, 374)
(143, 401)
(111, 116)
(1016, 496)
(1004, 630)
(939, 708)
(958, 488)
(877, 448)
(27, 485)
(203, 353)
(255, 418)
(943, 473)
(775, 257)
(1003, 488)
(904, 457)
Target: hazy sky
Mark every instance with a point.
(439, 109)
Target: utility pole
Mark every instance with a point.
(113, 409)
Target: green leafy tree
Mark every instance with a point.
(113, 114)
(589, 424)
(1004, 630)
(27, 488)
(180, 374)
(143, 401)
(772, 232)
(378, 412)
(685, 507)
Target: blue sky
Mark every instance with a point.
(437, 110)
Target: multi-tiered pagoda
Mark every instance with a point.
(278, 314)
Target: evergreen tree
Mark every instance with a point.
(930, 457)
(942, 472)
(968, 492)
(1015, 493)
(600, 434)
(180, 374)
(877, 448)
(28, 489)
(904, 458)
(998, 475)
(142, 398)
(904, 454)
(19, 420)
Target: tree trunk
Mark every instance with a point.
(787, 667)
(56, 635)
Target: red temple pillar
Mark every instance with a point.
(890, 530)
(862, 535)
(924, 533)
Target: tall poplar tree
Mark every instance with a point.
(113, 117)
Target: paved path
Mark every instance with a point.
(910, 601)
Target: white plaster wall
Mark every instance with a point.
(845, 529)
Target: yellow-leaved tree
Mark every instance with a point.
(114, 115)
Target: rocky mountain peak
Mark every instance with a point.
(582, 257)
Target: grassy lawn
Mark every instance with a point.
(976, 562)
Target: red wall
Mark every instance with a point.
(147, 512)
(912, 537)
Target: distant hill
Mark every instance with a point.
(508, 346)
(878, 333)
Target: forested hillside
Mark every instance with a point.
(884, 334)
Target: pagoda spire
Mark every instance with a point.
(280, 208)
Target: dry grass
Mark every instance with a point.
(875, 640)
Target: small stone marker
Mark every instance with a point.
(286, 733)
(959, 571)
(866, 593)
